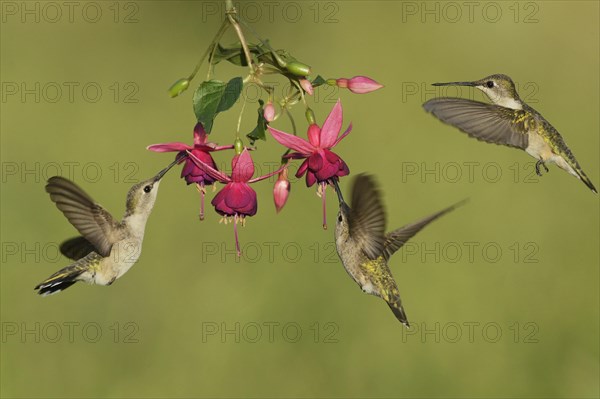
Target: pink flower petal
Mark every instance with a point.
(302, 169)
(221, 147)
(242, 167)
(314, 135)
(310, 179)
(215, 174)
(219, 202)
(169, 147)
(291, 141)
(315, 162)
(332, 126)
(348, 130)
(200, 135)
(275, 172)
(242, 199)
(294, 155)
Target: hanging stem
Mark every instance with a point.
(232, 17)
(213, 45)
(239, 124)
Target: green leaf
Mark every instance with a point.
(318, 81)
(261, 125)
(231, 94)
(214, 96)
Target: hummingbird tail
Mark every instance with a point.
(59, 281)
(399, 312)
(586, 180)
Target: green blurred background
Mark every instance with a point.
(515, 317)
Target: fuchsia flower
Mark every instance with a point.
(201, 150)
(359, 84)
(237, 199)
(321, 165)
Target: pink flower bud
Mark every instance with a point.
(307, 86)
(281, 190)
(342, 83)
(359, 84)
(269, 112)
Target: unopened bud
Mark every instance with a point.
(359, 84)
(269, 112)
(307, 86)
(310, 116)
(297, 68)
(281, 190)
(238, 145)
(179, 87)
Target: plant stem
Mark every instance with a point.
(237, 133)
(231, 15)
(210, 48)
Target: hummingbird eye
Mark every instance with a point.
(340, 218)
(489, 83)
(147, 189)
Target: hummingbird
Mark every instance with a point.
(363, 246)
(508, 121)
(106, 248)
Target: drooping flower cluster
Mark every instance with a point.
(321, 165)
(237, 199)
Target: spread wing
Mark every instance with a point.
(485, 122)
(76, 248)
(94, 223)
(397, 238)
(367, 221)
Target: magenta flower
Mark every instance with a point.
(321, 165)
(237, 199)
(201, 150)
(281, 190)
(359, 84)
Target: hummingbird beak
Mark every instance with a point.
(165, 170)
(471, 84)
(338, 191)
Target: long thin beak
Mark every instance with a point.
(338, 191)
(455, 84)
(165, 170)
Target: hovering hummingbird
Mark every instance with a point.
(508, 121)
(365, 248)
(106, 248)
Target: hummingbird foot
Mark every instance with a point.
(537, 167)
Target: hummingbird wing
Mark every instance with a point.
(367, 216)
(89, 218)
(76, 248)
(394, 240)
(486, 122)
